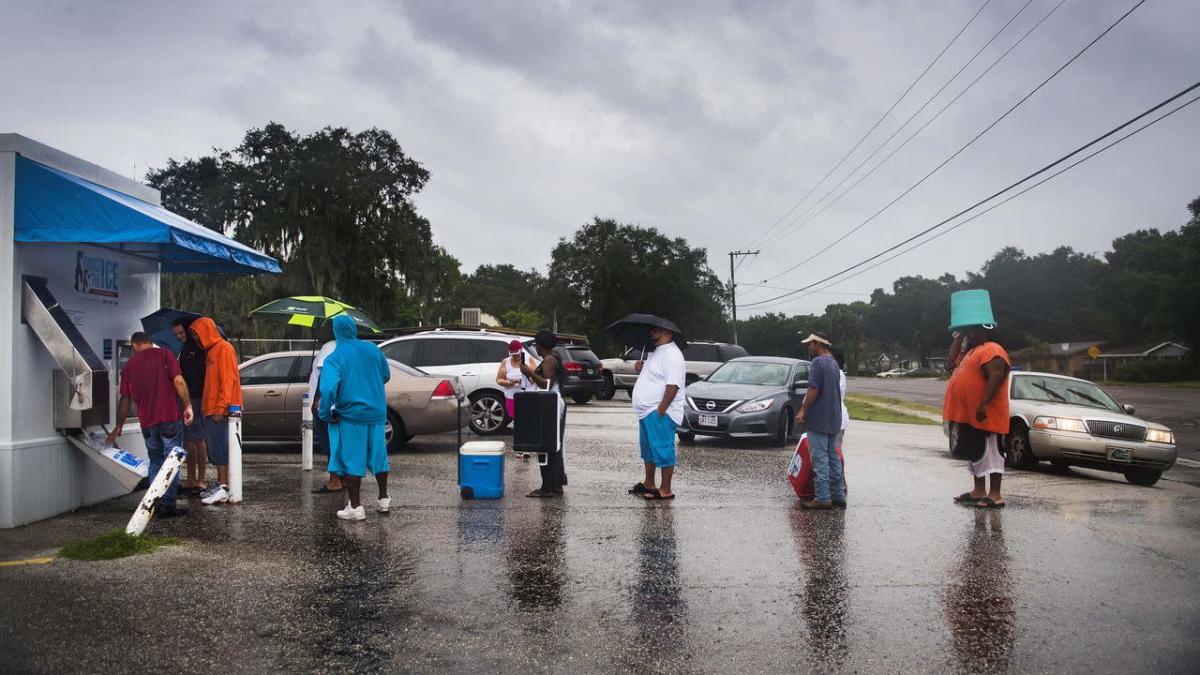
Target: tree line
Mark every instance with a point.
(336, 208)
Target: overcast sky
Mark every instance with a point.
(707, 120)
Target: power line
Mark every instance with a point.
(969, 143)
(800, 221)
(1035, 174)
(876, 125)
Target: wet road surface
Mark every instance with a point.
(1176, 407)
(1082, 572)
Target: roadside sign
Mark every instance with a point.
(1094, 352)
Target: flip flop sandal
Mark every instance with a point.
(542, 494)
(324, 489)
(964, 497)
(656, 495)
(987, 503)
(638, 489)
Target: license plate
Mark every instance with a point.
(708, 420)
(1120, 454)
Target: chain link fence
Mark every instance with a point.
(248, 348)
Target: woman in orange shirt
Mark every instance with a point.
(977, 402)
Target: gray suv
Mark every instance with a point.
(702, 358)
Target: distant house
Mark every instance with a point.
(1065, 358)
(1154, 350)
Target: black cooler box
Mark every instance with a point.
(535, 427)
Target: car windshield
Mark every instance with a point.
(406, 369)
(751, 372)
(1062, 390)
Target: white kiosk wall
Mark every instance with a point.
(41, 473)
(49, 475)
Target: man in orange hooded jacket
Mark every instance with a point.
(222, 388)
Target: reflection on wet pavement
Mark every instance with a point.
(823, 603)
(978, 600)
(730, 577)
(534, 557)
(658, 612)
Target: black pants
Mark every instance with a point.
(554, 474)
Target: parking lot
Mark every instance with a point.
(1082, 572)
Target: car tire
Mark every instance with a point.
(687, 437)
(609, 390)
(1020, 452)
(952, 433)
(784, 432)
(488, 416)
(395, 433)
(1143, 477)
(581, 399)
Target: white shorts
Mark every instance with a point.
(992, 461)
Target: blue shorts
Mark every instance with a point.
(217, 436)
(195, 431)
(356, 448)
(657, 437)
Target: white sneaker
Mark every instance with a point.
(384, 504)
(218, 496)
(352, 514)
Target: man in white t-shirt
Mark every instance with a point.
(321, 427)
(658, 402)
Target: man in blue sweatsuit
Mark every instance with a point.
(354, 403)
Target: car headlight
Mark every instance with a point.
(1060, 423)
(757, 406)
(1160, 436)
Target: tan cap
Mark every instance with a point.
(813, 337)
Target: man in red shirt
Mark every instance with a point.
(152, 380)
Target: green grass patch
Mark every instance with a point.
(867, 412)
(895, 403)
(114, 544)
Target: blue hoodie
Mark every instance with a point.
(353, 376)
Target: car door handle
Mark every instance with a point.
(468, 374)
(272, 392)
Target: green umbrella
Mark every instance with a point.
(306, 310)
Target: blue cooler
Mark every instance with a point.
(481, 470)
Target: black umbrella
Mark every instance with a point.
(160, 327)
(634, 330)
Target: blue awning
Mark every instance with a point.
(55, 206)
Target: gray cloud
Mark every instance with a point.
(705, 119)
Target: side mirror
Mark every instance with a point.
(1129, 409)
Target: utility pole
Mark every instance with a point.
(733, 288)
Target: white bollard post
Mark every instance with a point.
(158, 487)
(306, 435)
(235, 454)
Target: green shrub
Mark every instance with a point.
(1150, 370)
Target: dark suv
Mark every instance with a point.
(702, 358)
(582, 376)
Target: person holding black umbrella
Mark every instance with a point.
(658, 401)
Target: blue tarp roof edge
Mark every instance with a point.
(55, 206)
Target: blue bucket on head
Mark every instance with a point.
(971, 308)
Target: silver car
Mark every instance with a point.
(1073, 422)
(746, 397)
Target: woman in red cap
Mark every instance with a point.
(510, 378)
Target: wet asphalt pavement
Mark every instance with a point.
(1082, 572)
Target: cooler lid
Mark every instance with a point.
(482, 448)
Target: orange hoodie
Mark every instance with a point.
(222, 385)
